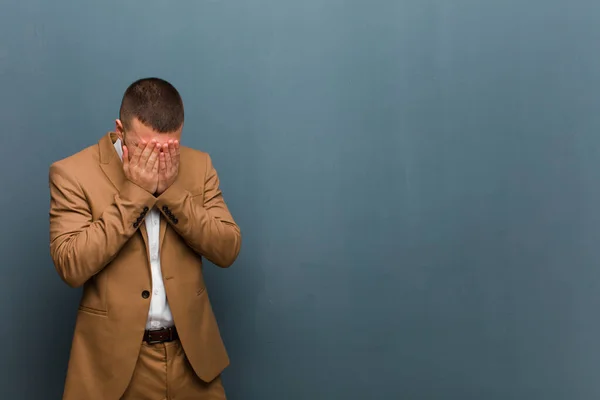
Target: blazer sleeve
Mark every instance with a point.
(81, 247)
(203, 220)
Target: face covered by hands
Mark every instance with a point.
(150, 159)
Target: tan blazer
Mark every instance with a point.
(98, 240)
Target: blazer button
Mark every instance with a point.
(145, 294)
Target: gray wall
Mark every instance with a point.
(417, 183)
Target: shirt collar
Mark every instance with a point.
(119, 148)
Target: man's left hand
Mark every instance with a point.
(168, 166)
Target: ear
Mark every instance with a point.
(119, 129)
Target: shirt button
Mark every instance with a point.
(156, 292)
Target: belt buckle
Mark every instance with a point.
(156, 341)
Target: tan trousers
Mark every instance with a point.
(163, 372)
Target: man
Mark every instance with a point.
(131, 219)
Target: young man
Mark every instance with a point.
(131, 219)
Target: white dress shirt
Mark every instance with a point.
(159, 315)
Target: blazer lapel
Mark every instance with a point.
(110, 162)
(112, 166)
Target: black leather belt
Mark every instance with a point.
(161, 335)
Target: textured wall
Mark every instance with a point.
(416, 182)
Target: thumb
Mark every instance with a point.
(125, 158)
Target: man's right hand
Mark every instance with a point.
(142, 168)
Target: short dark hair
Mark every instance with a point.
(155, 103)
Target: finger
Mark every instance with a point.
(137, 152)
(155, 166)
(168, 161)
(146, 153)
(164, 150)
(172, 149)
(162, 163)
(152, 160)
(125, 158)
(177, 153)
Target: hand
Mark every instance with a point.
(168, 165)
(142, 169)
